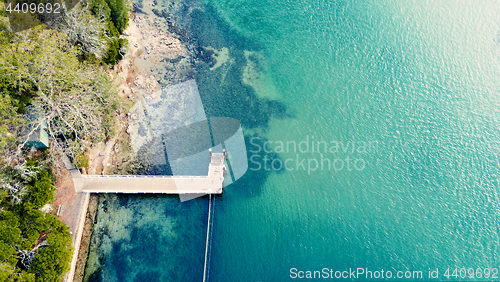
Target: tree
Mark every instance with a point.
(41, 189)
(14, 180)
(115, 10)
(5, 271)
(37, 241)
(10, 122)
(78, 101)
(46, 249)
(10, 237)
(84, 30)
(6, 251)
(115, 14)
(53, 261)
(116, 51)
(119, 14)
(40, 71)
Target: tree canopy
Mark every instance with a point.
(115, 10)
(34, 245)
(78, 99)
(61, 74)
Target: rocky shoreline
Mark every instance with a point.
(159, 55)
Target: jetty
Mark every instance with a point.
(171, 127)
(191, 186)
(163, 184)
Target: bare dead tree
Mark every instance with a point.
(27, 257)
(84, 29)
(14, 180)
(75, 114)
(77, 100)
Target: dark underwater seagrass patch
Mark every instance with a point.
(25, 14)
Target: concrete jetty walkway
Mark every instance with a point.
(210, 184)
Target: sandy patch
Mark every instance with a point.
(254, 75)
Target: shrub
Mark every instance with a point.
(41, 189)
(81, 161)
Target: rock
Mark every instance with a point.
(137, 8)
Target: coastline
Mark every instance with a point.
(85, 239)
(148, 45)
(303, 220)
(160, 54)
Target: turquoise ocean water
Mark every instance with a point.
(417, 80)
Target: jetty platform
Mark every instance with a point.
(131, 184)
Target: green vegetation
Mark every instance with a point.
(82, 161)
(116, 14)
(75, 97)
(114, 54)
(62, 74)
(114, 10)
(34, 246)
(41, 66)
(9, 120)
